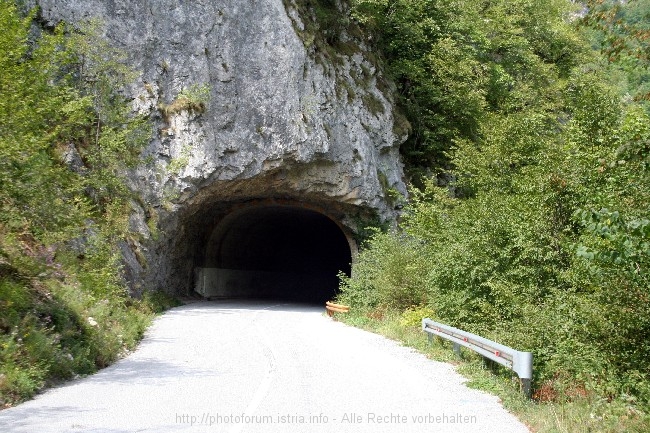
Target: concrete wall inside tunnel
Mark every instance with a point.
(274, 251)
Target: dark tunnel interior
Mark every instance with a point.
(278, 252)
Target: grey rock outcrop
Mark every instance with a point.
(279, 121)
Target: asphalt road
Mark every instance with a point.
(263, 367)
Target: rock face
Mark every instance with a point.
(248, 111)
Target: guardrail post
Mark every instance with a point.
(457, 350)
(525, 387)
(522, 364)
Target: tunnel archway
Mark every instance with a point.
(275, 251)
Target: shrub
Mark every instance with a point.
(63, 307)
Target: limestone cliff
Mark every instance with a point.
(246, 108)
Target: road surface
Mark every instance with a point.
(234, 366)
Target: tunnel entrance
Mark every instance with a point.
(274, 251)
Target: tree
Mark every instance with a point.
(621, 31)
(543, 241)
(455, 62)
(67, 136)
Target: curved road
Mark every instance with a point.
(261, 367)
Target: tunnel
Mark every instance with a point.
(274, 252)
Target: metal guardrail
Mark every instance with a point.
(519, 362)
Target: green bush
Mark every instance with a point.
(386, 275)
(64, 309)
(540, 237)
(455, 62)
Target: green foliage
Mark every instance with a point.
(613, 250)
(541, 240)
(67, 136)
(456, 63)
(623, 25)
(177, 164)
(412, 317)
(366, 227)
(621, 31)
(322, 24)
(385, 275)
(62, 328)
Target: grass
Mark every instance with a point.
(374, 104)
(193, 99)
(54, 328)
(578, 414)
(179, 105)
